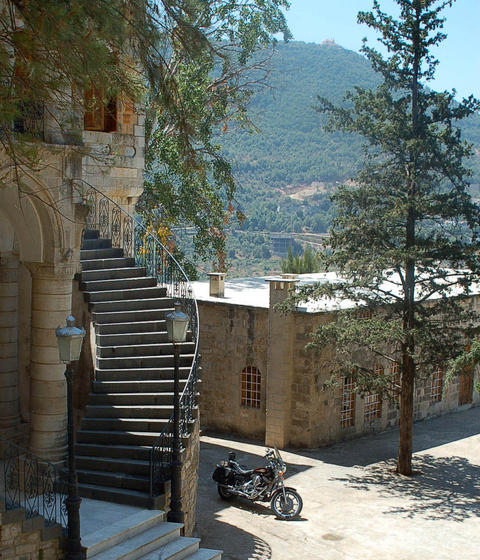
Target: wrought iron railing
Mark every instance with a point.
(141, 244)
(33, 484)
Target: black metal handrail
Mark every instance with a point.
(141, 243)
(33, 484)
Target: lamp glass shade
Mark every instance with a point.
(177, 324)
(69, 340)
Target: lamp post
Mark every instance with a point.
(69, 340)
(177, 324)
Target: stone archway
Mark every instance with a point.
(37, 268)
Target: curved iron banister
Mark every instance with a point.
(140, 243)
(33, 484)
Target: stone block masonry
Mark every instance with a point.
(18, 544)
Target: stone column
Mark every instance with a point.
(9, 409)
(281, 336)
(51, 304)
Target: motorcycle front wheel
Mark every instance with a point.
(288, 506)
(224, 493)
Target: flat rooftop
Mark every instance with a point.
(255, 291)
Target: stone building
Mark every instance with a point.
(69, 243)
(41, 226)
(259, 381)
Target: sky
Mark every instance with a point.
(313, 21)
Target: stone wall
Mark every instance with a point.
(234, 336)
(231, 338)
(21, 540)
(190, 479)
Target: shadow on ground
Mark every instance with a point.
(373, 448)
(443, 487)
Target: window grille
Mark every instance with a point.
(437, 385)
(251, 387)
(373, 402)
(395, 380)
(348, 403)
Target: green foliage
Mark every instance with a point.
(405, 240)
(301, 264)
(291, 147)
(188, 177)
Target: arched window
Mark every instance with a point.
(251, 387)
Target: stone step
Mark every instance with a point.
(163, 349)
(112, 284)
(144, 399)
(96, 243)
(117, 438)
(120, 496)
(112, 274)
(91, 234)
(103, 264)
(131, 411)
(132, 315)
(114, 533)
(111, 464)
(126, 339)
(124, 424)
(200, 554)
(110, 306)
(139, 373)
(178, 549)
(137, 546)
(135, 362)
(124, 295)
(133, 452)
(127, 328)
(117, 480)
(91, 254)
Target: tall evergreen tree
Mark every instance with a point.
(405, 242)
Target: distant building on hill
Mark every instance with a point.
(329, 42)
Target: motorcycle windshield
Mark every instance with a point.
(277, 453)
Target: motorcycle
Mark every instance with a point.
(262, 483)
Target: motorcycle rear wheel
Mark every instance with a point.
(288, 506)
(224, 493)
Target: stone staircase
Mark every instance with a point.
(143, 534)
(132, 394)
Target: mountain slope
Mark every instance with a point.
(287, 169)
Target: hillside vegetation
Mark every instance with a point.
(286, 171)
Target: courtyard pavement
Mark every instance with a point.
(355, 506)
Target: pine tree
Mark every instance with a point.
(405, 240)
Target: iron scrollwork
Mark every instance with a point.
(33, 484)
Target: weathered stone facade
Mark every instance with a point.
(231, 338)
(190, 460)
(22, 539)
(296, 410)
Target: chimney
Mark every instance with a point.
(217, 283)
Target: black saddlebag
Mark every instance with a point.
(222, 475)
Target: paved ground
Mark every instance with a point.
(355, 507)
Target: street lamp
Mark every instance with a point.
(177, 324)
(69, 340)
